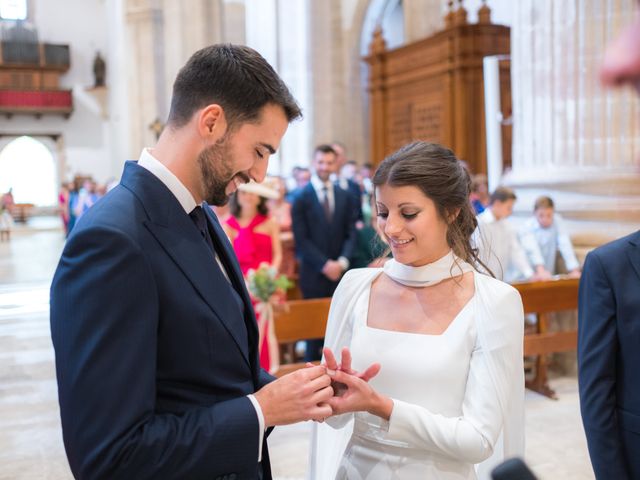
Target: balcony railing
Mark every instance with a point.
(36, 102)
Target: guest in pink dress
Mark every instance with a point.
(63, 205)
(256, 239)
(279, 207)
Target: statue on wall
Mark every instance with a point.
(99, 70)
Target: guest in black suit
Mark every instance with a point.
(154, 333)
(323, 219)
(609, 321)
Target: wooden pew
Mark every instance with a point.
(300, 320)
(303, 319)
(542, 298)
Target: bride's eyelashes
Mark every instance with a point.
(408, 216)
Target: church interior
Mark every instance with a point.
(511, 87)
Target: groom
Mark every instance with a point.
(153, 329)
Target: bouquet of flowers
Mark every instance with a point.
(265, 285)
(264, 282)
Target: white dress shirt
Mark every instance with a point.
(541, 244)
(499, 248)
(188, 203)
(319, 186)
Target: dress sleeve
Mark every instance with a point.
(340, 332)
(329, 439)
(470, 437)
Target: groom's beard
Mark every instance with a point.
(216, 171)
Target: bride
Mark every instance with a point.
(447, 402)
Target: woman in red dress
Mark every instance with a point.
(256, 240)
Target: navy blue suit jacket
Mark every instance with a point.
(154, 356)
(609, 357)
(354, 189)
(317, 240)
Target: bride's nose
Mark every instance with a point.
(393, 225)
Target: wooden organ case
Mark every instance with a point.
(433, 89)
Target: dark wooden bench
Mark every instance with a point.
(541, 299)
(300, 320)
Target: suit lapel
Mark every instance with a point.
(339, 200)
(228, 257)
(180, 239)
(634, 252)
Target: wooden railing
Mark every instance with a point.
(300, 320)
(541, 299)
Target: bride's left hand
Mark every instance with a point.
(358, 396)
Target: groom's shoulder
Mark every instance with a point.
(118, 211)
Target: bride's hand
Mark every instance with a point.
(345, 366)
(358, 396)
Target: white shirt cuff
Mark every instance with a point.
(256, 405)
(344, 263)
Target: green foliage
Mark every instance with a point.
(265, 281)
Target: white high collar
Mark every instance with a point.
(448, 266)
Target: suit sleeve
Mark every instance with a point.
(105, 319)
(350, 240)
(597, 351)
(305, 248)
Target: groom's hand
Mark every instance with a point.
(298, 396)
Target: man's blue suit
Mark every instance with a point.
(154, 354)
(318, 240)
(354, 189)
(609, 357)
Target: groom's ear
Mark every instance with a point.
(211, 123)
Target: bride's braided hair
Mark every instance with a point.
(438, 173)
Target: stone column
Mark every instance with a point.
(293, 66)
(145, 69)
(118, 134)
(234, 20)
(573, 139)
(189, 25)
(325, 38)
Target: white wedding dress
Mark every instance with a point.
(453, 393)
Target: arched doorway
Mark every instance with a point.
(28, 168)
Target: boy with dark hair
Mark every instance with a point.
(543, 236)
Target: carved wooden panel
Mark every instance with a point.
(433, 90)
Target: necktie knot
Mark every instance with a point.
(198, 217)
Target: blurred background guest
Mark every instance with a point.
(256, 240)
(479, 193)
(497, 240)
(63, 206)
(543, 236)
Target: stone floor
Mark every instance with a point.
(30, 436)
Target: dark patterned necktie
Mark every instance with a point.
(200, 219)
(325, 204)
